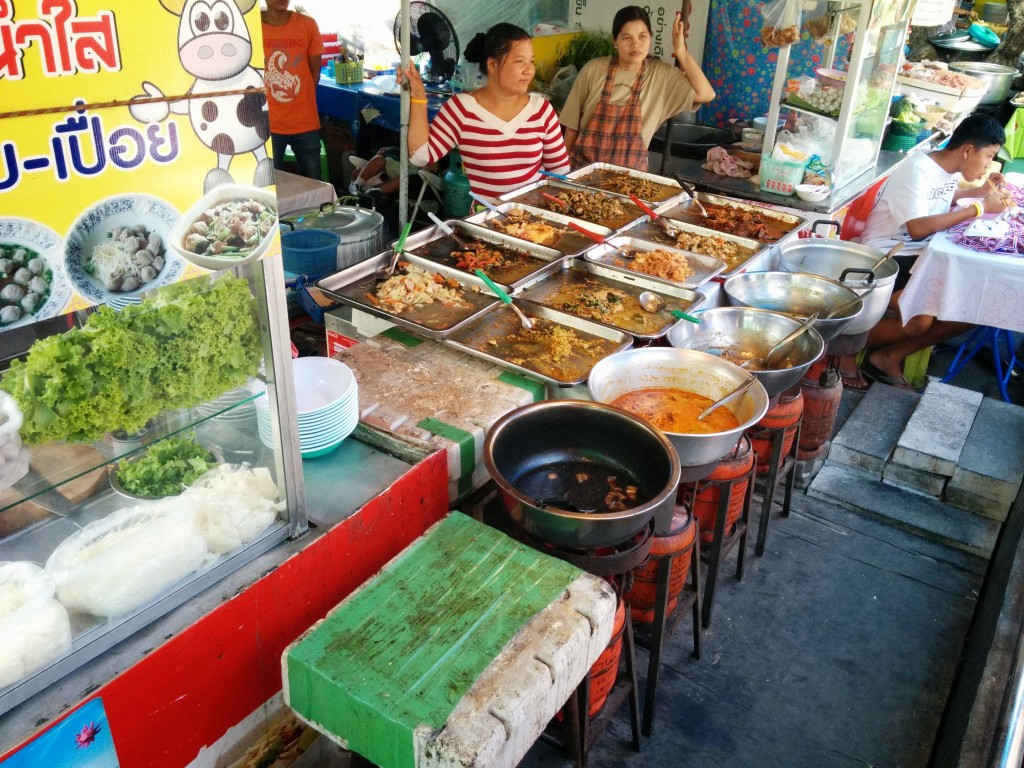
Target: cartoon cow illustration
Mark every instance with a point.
(214, 46)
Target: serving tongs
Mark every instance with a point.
(599, 239)
(489, 205)
(654, 217)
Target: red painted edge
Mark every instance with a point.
(189, 691)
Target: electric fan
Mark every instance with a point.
(432, 33)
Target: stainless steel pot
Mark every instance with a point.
(537, 453)
(360, 230)
(796, 293)
(997, 78)
(850, 264)
(689, 370)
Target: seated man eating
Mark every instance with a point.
(916, 202)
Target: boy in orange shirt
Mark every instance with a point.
(293, 51)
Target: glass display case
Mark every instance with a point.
(844, 112)
(87, 559)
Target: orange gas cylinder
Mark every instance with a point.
(705, 504)
(606, 668)
(676, 544)
(786, 415)
(821, 404)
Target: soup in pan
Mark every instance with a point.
(676, 410)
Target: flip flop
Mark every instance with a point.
(873, 372)
(854, 381)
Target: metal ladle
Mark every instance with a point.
(766, 360)
(892, 252)
(847, 304)
(729, 397)
(652, 302)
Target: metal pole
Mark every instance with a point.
(403, 183)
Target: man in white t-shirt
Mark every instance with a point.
(916, 202)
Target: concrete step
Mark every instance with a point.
(868, 437)
(937, 431)
(931, 518)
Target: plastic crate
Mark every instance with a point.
(781, 176)
(346, 73)
(310, 252)
(308, 303)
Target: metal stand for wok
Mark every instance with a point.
(779, 467)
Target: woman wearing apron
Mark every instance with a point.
(617, 103)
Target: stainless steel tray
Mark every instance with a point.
(674, 194)
(747, 249)
(788, 224)
(531, 195)
(528, 259)
(581, 278)
(353, 286)
(704, 267)
(493, 336)
(571, 243)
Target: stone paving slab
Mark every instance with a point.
(870, 434)
(979, 505)
(937, 431)
(914, 480)
(991, 464)
(910, 511)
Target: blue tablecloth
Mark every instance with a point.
(346, 103)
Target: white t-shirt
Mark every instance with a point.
(919, 187)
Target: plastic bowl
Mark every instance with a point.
(222, 194)
(812, 193)
(833, 78)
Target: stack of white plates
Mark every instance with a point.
(226, 406)
(327, 400)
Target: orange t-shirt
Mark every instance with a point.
(291, 89)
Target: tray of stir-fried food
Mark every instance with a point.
(592, 205)
(536, 225)
(560, 348)
(737, 252)
(611, 296)
(656, 261)
(426, 298)
(507, 260)
(753, 222)
(620, 180)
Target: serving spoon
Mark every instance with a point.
(652, 302)
(766, 360)
(654, 217)
(448, 231)
(527, 323)
(599, 239)
(691, 191)
(892, 252)
(383, 274)
(847, 304)
(488, 205)
(747, 384)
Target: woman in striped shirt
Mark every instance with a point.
(504, 134)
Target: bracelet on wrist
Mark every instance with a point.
(417, 101)
(979, 208)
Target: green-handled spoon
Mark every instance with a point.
(383, 274)
(527, 322)
(652, 302)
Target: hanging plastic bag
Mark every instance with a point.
(781, 23)
(817, 21)
(561, 84)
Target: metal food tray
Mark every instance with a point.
(640, 323)
(749, 249)
(687, 212)
(499, 324)
(434, 320)
(670, 196)
(531, 195)
(704, 267)
(434, 245)
(572, 243)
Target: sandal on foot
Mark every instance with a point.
(854, 381)
(875, 373)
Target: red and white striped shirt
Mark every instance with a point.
(498, 155)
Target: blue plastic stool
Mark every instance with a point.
(988, 336)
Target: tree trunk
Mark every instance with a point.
(1008, 51)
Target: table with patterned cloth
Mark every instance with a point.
(955, 283)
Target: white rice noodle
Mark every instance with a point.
(234, 504)
(34, 628)
(115, 565)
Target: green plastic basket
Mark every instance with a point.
(346, 73)
(781, 176)
(897, 143)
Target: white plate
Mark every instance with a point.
(216, 196)
(44, 241)
(94, 226)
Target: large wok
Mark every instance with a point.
(743, 333)
(686, 369)
(795, 293)
(850, 264)
(537, 454)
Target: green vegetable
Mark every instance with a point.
(585, 46)
(183, 346)
(166, 468)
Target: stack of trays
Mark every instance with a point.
(327, 400)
